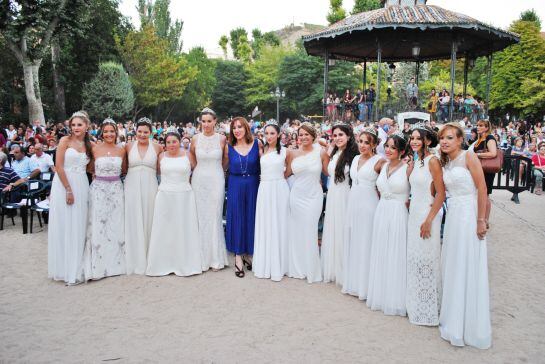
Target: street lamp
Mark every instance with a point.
(278, 95)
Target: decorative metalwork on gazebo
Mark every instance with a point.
(408, 30)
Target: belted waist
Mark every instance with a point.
(140, 166)
(108, 178)
(244, 174)
(401, 197)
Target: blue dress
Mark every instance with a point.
(242, 187)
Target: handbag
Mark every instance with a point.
(492, 165)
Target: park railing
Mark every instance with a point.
(515, 176)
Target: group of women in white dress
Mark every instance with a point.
(381, 238)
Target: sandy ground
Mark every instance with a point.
(218, 318)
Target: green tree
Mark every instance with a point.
(365, 5)
(244, 50)
(198, 92)
(27, 28)
(234, 39)
(534, 104)
(531, 16)
(228, 96)
(263, 77)
(157, 14)
(515, 64)
(109, 94)
(157, 76)
(336, 11)
(223, 42)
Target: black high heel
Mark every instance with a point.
(247, 263)
(239, 272)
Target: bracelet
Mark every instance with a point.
(483, 220)
(69, 193)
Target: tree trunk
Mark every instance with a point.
(58, 87)
(32, 90)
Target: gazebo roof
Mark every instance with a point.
(398, 28)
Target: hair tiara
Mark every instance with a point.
(340, 123)
(208, 110)
(370, 130)
(399, 135)
(80, 114)
(109, 121)
(271, 122)
(419, 126)
(144, 120)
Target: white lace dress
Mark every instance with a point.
(175, 245)
(208, 182)
(423, 255)
(362, 204)
(465, 306)
(333, 236)
(388, 266)
(140, 190)
(104, 253)
(67, 223)
(270, 258)
(306, 200)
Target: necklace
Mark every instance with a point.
(244, 170)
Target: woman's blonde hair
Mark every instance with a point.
(459, 132)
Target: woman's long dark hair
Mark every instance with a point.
(426, 134)
(278, 144)
(347, 155)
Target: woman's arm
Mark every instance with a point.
(492, 150)
(289, 157)
(325, 161)
(439, 186)
(477, 174)
(225, 159)
(125, 162)
(192, 153)
(61, 150)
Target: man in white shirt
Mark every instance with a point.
(384, 126)
(43, 160)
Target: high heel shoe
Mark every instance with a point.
(247, 263)
(239, 272)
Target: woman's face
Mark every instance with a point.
(365, 145)
(391, 151)
(542, 150)
(208, 123)
(108, 134)
(271, 136)
(481, 128)
(142, 134)
(31, 149)
(518, 143)
(172, 144)
(305, 138)
(238, 130)
(340, 138)
(78, 126)
(449, 142)
(416, 141)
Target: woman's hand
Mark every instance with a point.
(425, 229)
(69, 198)
(481, 229)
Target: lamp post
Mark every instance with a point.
(278, 95)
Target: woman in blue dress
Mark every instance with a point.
(242, 152)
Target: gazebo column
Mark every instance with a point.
(452, 77)
(488, 82)
(379, 59)
(417, 76)
(326, 74)
(364, 75)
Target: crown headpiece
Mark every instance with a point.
(370, 130)
(109, 121)
(271, 122)
(172, 129)
(80, 114)
(419, 126)
(144, 120)
(340, 123)
(208, 110)
(399, 135)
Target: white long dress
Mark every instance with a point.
(465, 306)
(388, 267)
(362, 204)
(423, 255)
(333, 236)
(270, 258)
(104, 253)
(306, 200)
(208, 182)
(67, 223)
(140, 191)
(175, 243)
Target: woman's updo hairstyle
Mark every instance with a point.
(144, 122)
(86, 139)
(400, 143)
(371, 133)
(277, 128)
(173, 134)
(110, 122)
(426, 134)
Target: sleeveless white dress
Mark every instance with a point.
(388, 267)
(208, 182)
(175, 244)
(305, 204)
(465, 306)
(140, 191)
(104, 253)
(423, 255)
(270, 258)
(67, 223)
(362, 204)
(333, 235)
